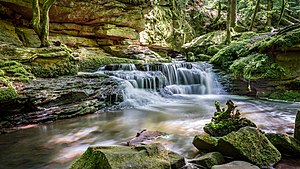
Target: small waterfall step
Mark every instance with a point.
(176, 78)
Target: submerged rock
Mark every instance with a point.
(251, 145)
(285, 144)
(226, 121)
(144, 137)
(236, 165)
(208, 160)
(153, 156)
(205, 142)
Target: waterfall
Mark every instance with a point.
(171, 78)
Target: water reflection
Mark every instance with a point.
(57, 144)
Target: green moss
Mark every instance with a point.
(15, 72)
(7, 94)
(226, 126)
(288, 95)
(251, 145)
(256, 66)
(247, 35)
(208, 160)
(285, 144)
(227, 55)
(213, 49)
(205, 142)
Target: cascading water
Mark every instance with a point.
(176, 78)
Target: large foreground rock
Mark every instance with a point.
(251, 145)
(236, 165)
(153, 156)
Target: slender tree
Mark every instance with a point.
(228, 34)
(269, 9)
(233, 13)
(254, 15)
(41, 30)
(281, 12)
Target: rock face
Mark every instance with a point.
(153, 156)
(250, 145)
(236, 165)
(101, 19)
(285, 144)
(51, 99)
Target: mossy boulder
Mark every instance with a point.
(225, 121)
(251, 145)
(148, 156)
(208, 160)
(285, 144)
(236, 165)
(226, 56)
(205, 142)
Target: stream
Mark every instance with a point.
(174, 98)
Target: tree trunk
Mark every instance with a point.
(233, 13)
(36, 17)
(269, 9)
(281, 12)
(45, 25)
(254, 15)
(228, 34)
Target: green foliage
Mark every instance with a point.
(288, 95)
(256, 66)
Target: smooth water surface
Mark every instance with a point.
(58, 144)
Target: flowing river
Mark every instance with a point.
(174, 98)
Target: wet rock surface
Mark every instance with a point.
(149, 156)
(47, 100)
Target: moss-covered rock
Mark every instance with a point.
(285, 144)
(226, 56)
(208, 160)
(256, 66)
(149, 156)
(251, 145)
(205, 142)
(280, 42)
(226, 121)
